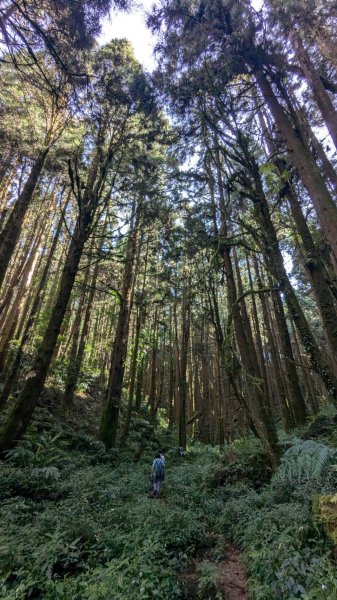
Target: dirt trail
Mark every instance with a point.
(230, 581)
(233, 576)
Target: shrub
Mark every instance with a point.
(304, 465)
(209, 587)
(246, 462)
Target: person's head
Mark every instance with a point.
(158, 455)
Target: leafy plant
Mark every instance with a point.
(105, 538)
(305, 461)
(209, 581)
(47, 473)
(20, 455)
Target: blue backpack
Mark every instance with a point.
(158, 468)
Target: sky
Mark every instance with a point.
(132, 26)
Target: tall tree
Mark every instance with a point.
(118, 90)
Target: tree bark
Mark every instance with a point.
(318, 90)
(153, 367)
(13, 317)
(281, 385)
(12, 229)
(110, 416)
(276, 268)
(318, 276)
(141, 316)
(19, 419)
(259, 411)
(185, 335)
(306, 167)
(13, 375)
(75, 356)
(133, 370)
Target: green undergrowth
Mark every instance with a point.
(78, 522)
(286, 552)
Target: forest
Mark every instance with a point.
(168, 295)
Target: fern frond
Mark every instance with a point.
(303, 462)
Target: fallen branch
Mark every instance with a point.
(195, 416)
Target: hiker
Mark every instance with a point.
(157, 474)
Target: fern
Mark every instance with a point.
(47, 473)
(304, 462)
(20, 456)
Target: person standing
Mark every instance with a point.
(157, 474)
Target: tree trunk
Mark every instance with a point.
(305, 164)
(15, 273)
(259, 411)
(12, 229)
(312, 400)
(319, 92)
(258, 337)
(185, 335)
(281, 386)
(171, 381)
(313, 263)
(141, 316)
(204, 433)
(78, 346)
(317, 275)
(75, 357)
(110, 416)
(19, 418)
(7, 175)
(153, 368)
(13, 375)
(133, 369)
(277, 269)
(139, 384)
(13, 317)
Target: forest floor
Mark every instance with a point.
(230, 575)
(79, 523)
